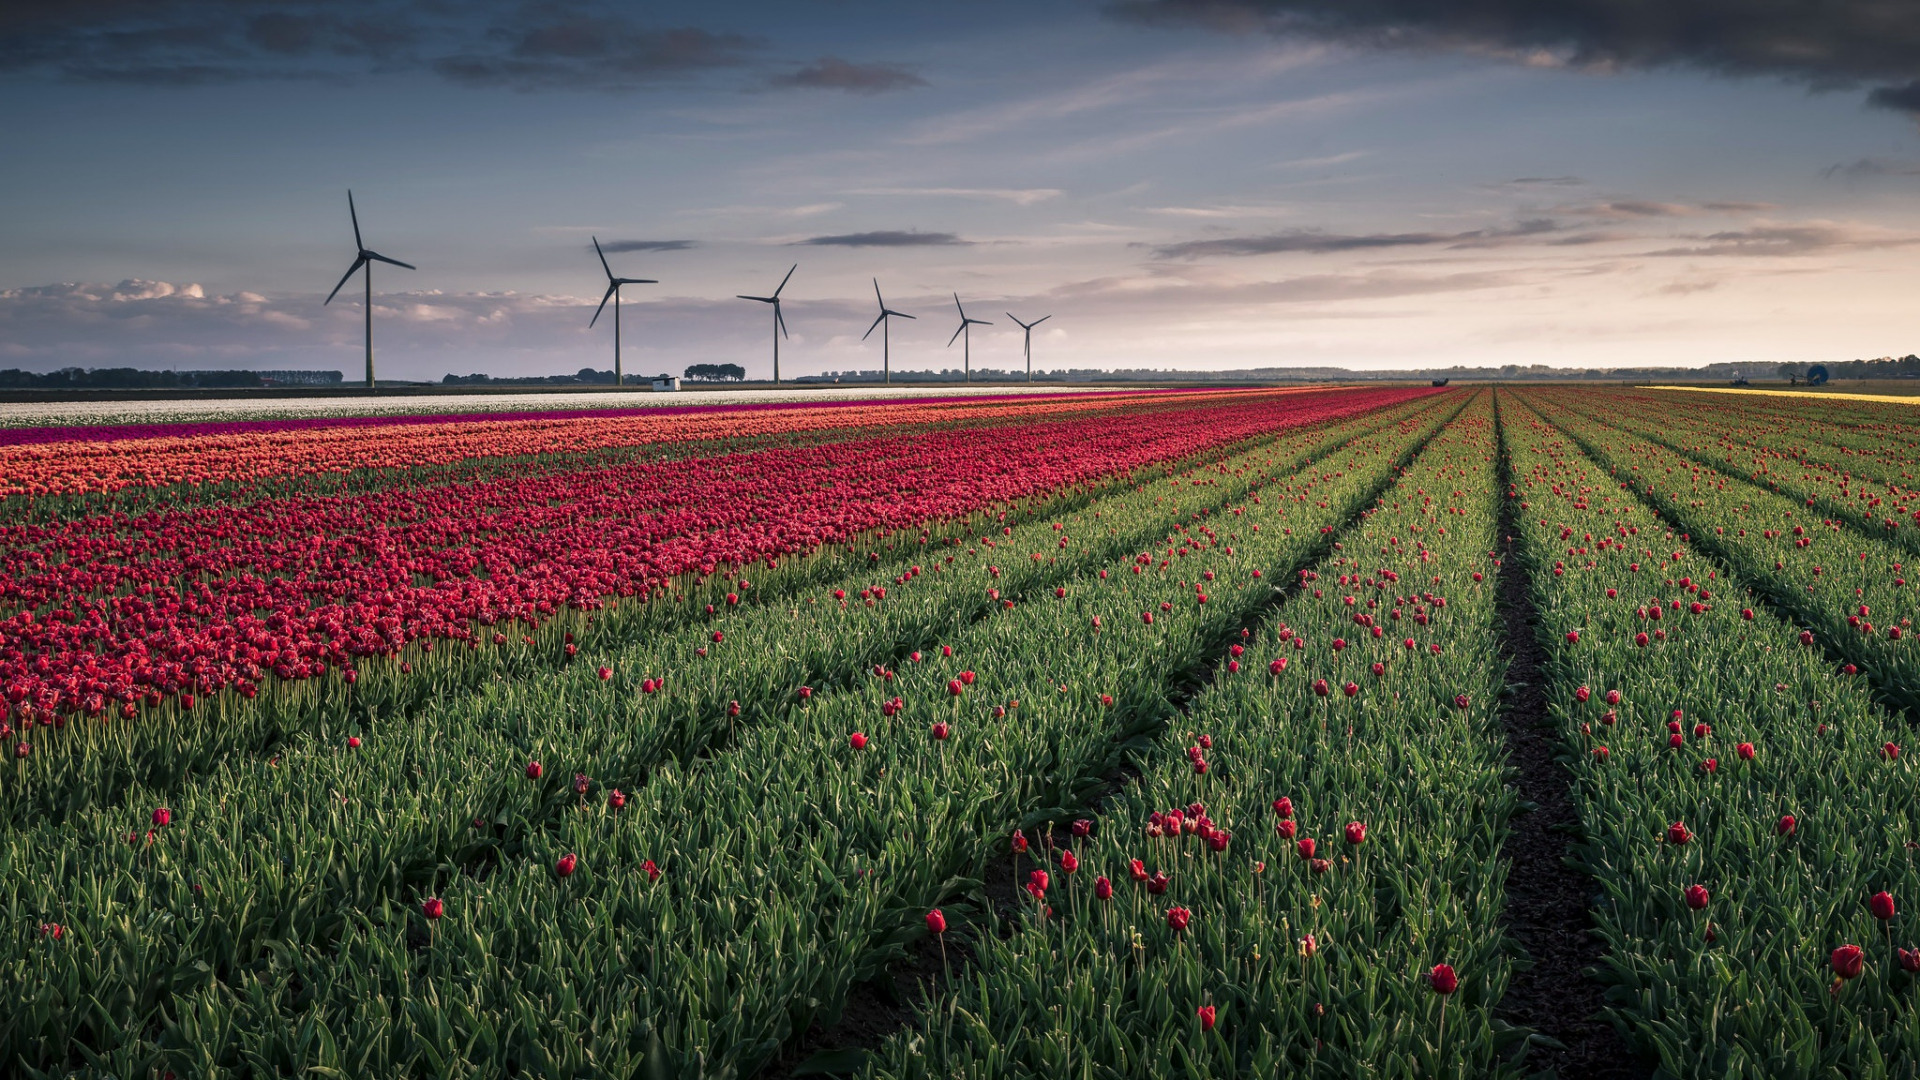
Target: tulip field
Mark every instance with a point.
(1129, 734)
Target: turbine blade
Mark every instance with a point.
(762, 299)
(899, 314)
(382, 258)
(780, 319)
(877, 296)
(789, 277)
(611, 289)
(1016, 319)
(979, 322)
(875, 326)
(956, 335)
(957, 307)
(603, 258)
(359, 244)
(635, 281)
(351, 270)
(1038, 321)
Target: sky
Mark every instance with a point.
(1178, 183)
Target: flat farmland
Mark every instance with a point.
(1396, 732)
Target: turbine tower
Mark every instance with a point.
(779, 324)
(886, 314)
(1027, 328)
(966, 350)
(363, 258)
(613, 290)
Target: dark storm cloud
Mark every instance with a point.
(887, 238)
(833, 73)
(1317, 242)
(484, 43)
(1826, 43)
(647, 245)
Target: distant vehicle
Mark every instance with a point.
(1742, 381)
(1441, 382)
(1817, 375)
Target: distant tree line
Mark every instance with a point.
(74, 378)
(585, 376)
(714, 373)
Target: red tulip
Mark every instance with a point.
(955, 688)
(566, 866)
(1320, 687)
(1910, 961)
(580, 783)
(1890, 752)
(1787, 825)
(606, 673)
(1157, 884)
(858, 740)
(1581, 695)
(534, 769)
(936, 921)
(941, 731)
(652, 870)
(162, 817)
(432, 908)
(616, 798)
(1103, 888)
(1356, 833)
(806, 693)
(1613, 697)
(1677, 834)
(1068, 862)
(1137, 870)
(1697, 897)
(21, 750)
(1443, 980)
(1745, 750)
(353, 742)
(1573, 637)
(1038, 880)
(1304, 847)
(1600, 753)
(1710, 766)
(1019, 842)
(1278, 665)
(1082, 828)
(1283, 806)
(1207, 1014)
(1848, 961)
(1351, 689)
(1178, 918)
(1461, 701)
(1881, 904)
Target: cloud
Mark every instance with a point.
(1828, 44)
(1546, 181)
(886, 238)
(833, 73)
(647, 245)
(1017, 196)
(1899, 98)
(488, 43)
(1872, 167)
(1318, 242)
(1814, 238)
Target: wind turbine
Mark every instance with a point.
(966, 350)
(779, 324)
(886, 368)
(1028, 328)
(363, 258)
(613, 290)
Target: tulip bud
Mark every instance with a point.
(580, 783)
(1613, 697)
(1320, 687)
(1178, 918)
(432, 908)
(606, 673)
(1443, 980)
(1848, 961)
(1207, 1015)
(1677, 833)
(1305, 847)
(534, 769)
(858, 740)
(1697, 897)
(1019, 842)
(353, 742)
(1788, 826)
(936, 921)
(1356, 833)
(941, 731)
(566, 866)
(1910, 961)
(162, 817)
(1881, 904)
(1890, 752)
(1745, 750)
(616, 798)
(1083, 828)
